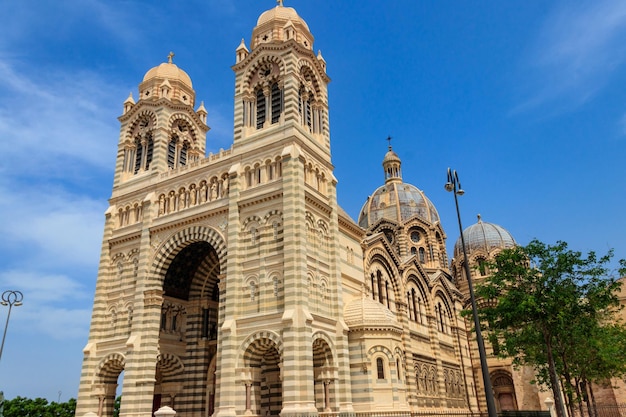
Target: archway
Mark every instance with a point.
(188, 328)
(325, 373)
(504, 391)
(264, 391)
(108, 374)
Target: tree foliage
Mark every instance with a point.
(554, 309)
(39, 407)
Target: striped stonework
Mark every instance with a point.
(233, 284)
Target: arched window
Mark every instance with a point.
(171, 152)
(183, 154)
(379, 279)
(422, 255)
(138, 155)
(380, 368)
(305, 108)
(149, 150)
(260, 109)
(398, 370)
(482, 267)
(277, 103)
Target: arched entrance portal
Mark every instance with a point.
(504, 391)
(108, 373)
(325, 373)
(264, 391)
(188, 329)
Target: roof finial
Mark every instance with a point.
(280, 3)
(389, 140)
(480, 220)
(169, 57)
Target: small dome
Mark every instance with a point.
(397, 201)
(281, 13)
(484, 237)
(391, 156)
(367, 312)
(168, 71)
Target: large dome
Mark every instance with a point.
(168, 71)
(281, 13)
(397, 201)
(484, 237)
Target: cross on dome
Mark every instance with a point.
(389, 140)
(169, 57)
(280, 3)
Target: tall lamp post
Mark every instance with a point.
(9, 298)
(453, 185)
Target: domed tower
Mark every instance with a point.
(512, 388)
(280, 83)
(406, 217)
(409, 304)
(161, 131)
(482, 242)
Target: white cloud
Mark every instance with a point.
(60, 115)
(58, 228)
(53, 305)
(579, 47)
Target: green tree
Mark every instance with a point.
(39, 407)
(547, 305)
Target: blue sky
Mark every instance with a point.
(525, 99)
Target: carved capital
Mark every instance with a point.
(152, 298)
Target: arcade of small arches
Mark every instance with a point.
(264, 103)
(217, 187)
(419, 306)
(182, 146)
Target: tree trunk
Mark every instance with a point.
(554, 379)
(593, 400)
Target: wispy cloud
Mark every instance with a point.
(54, 305)
(578, 49)
(56, 115)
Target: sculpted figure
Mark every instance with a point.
(225, 186)
(213, 190)
(161, 204)
(192, 195)
(203, 192)
(172, 206)
(182, 199)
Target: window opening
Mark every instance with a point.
(260, 109)
(380, 367)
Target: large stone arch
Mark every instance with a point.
(255, 341)
(260, 359)
(110, 368)
(168, 250)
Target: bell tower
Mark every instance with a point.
(161, 131)
(280, 83)
(219, 289)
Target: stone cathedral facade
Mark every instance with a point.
(233, 284)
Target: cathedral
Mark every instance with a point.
(233, 284)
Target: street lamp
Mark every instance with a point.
(9, 298)
(454, 185)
